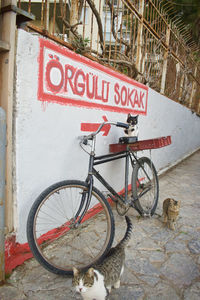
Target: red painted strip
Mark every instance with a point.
(89, 127)
(79, 103)
(16, 254)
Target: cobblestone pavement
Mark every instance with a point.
(160, 263)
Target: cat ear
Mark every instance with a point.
(75, 271)
(90, 272)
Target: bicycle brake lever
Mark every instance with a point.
(85, 141)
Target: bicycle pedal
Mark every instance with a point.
(122, 208)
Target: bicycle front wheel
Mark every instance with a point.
(55, 241)
(145, 186)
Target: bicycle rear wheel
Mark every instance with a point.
(145, 186)
(54, 239)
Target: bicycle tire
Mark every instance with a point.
(57, 246)
(145, 186)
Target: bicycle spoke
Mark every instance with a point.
(60, 241)
(145, 186)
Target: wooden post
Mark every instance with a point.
(46, 18)
(198, 110)
(193, 89)
(7, 31)
(139, 37)
(73, 16)
(181, 87)
(2, 192)
(164, 71)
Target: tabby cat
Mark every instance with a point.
(96, 283)
(132, 121)
(170, 212)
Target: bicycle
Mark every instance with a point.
(81, 234)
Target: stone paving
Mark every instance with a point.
(160, 263)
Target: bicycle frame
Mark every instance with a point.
(108, 158)
(128, 154)
(97, 160)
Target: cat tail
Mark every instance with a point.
(127, 235)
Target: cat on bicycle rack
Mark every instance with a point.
(131, 133)
(133, 129)
(96, 283)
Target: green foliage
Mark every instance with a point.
(189, 12)
(183, 232)
(80, 44)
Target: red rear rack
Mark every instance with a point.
(142, 145)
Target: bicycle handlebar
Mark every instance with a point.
(123, 125)
(93, 134)
(118, 124)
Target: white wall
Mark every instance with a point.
(47, 148)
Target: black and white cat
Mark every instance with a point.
(133, 128)
(96, 283)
